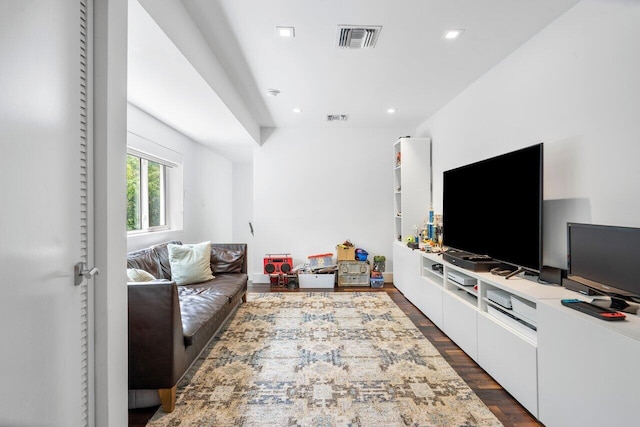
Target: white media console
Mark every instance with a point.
(565, 367)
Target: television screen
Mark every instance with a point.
(494, 207)
(605, 256)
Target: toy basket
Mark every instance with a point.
(320, 261)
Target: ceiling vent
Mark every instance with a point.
(337, 117)
(357, 36)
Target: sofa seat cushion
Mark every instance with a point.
(228, 285)
(199, 309)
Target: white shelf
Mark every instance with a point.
(411, 184)
(433, 275)
(466, 294)
(428, 272)
(508, 318)
(511, 312)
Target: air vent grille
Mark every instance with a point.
(337, 117)
(357, 36)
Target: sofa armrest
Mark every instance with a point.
(156, 340)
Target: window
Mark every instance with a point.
(155, 192)
(146, 194)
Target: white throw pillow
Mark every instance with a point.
(138, 275)
(190, 263)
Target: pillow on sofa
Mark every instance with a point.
(138, 275)
(190, 263)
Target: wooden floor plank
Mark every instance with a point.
(501, 403)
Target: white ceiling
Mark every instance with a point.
(412, 68)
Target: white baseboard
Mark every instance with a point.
(261, 278)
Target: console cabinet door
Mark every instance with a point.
(510, 359)
(411, 274)
(398, 266)
(587, 369)
(460, 322)
(429, 301)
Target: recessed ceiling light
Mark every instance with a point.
(273, 92)
(453, 34)
(391, 110)
(286, 31)
(297, 110)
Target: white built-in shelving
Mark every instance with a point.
(563, 366)
(411, 185)
(544, 354)
(503, 341)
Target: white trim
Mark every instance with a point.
(143, 147)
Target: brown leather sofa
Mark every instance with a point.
(170, 325)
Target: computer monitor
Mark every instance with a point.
(605, 258)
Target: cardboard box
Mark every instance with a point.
(316, 280)
(346, 254)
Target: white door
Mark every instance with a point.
(45, 352)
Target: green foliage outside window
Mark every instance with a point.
(145, 193)
(154, 171)
(133, 193)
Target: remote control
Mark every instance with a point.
(593, 310)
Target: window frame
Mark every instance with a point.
(173, 179)
(144, 193)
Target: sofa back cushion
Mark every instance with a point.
(161, 254)
(144, 259)
(228, 258)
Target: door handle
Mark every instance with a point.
(80, 273)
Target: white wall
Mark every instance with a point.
(243, 207)
(575, 87)
(109, 131)
(315, 188)
(208, 185)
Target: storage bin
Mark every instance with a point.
(353, 279)
(377, 282)
(316, 280)
(353, 273)
(320, 261)
(353, 267)
(346, 253)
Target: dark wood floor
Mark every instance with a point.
(505, 407)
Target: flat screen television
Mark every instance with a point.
(494, 207)
(604, 258)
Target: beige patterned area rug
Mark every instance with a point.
(323, 359)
